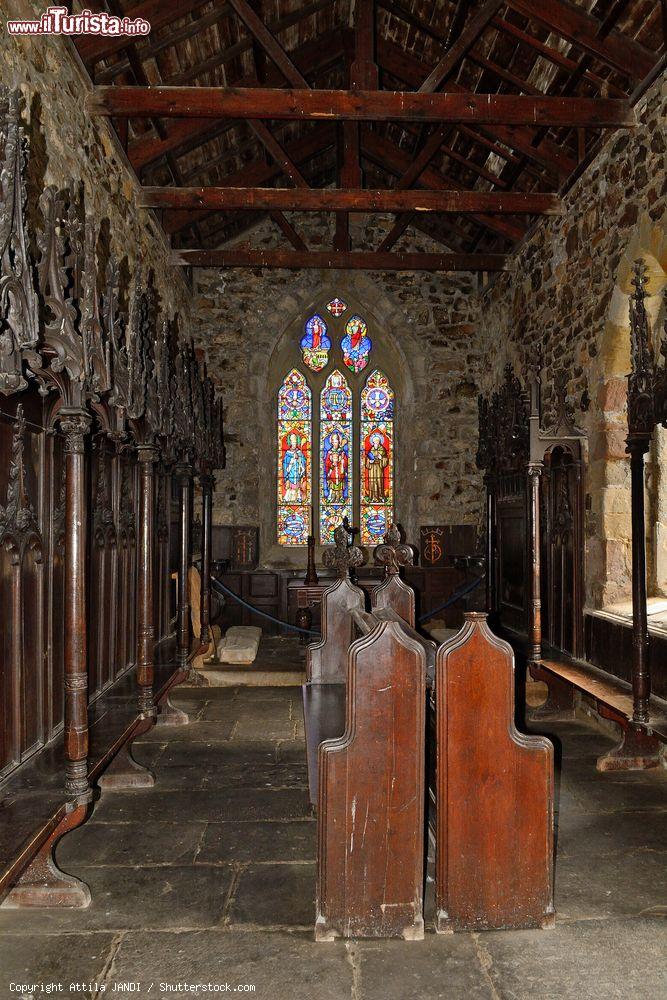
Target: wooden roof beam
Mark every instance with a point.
(359, 105)
(223, 199)
(355, 260)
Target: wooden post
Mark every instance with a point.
(75, 424)
(147, 456)
(638, 445)
(207, 485)
(184, 480)
(535, 603)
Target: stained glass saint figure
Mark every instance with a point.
(315, 344)
(356, 344)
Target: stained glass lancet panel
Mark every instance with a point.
(356, 344)
(294, 460)
(335, 455)
(377, 457)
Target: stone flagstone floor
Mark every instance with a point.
(209, 877)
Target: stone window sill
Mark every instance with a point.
(622, 613)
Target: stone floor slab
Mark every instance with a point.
(258, 842)
(215, 805)
(600, 960)
(438, 968)
(280, 966)
(42, 958)
(133, 899)
(275, 896)
(122, 844)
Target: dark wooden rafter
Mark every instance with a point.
(363, 74)
(354, 260)
(159, 14)
(351, 200)
(277, 152)
(359, 105)
(269, 43)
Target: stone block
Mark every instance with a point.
(240, 644)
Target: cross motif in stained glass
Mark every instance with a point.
(336, 307)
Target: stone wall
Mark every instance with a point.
(565, 306)
(244, 318)
(69, 148)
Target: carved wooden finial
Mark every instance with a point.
(392, 553)
(343, 556)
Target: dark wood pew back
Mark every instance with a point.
(494, 792)
(371, 795)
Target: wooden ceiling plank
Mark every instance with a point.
(460, 48)
(354, 260)
(582, 29)
(396, 160)
(548, 154)
(269, 43)
(556, 57)
(351, 200)
(311, 57)
(359, 105)
(259, 173)
(159, 14)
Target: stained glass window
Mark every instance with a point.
(294, 460)
(315, 344)
(335, 455)
(356, 344)
(377, 458)
(336, 307)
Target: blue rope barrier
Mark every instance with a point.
(262, 614)
(456, 596)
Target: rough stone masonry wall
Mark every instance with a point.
(68, 148)
(566, 305)
(429, 319)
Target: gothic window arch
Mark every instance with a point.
(336, 430)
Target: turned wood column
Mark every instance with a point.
(535, 600)
(638, 445)
(146, 456)
(207, 485)
(183, 474)
(75, 424)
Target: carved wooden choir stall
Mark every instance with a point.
(535, 550)
(365, 707)
(103, 408)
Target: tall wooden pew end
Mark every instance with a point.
(494, 793)
(370, 796)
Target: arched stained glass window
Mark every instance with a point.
(377, 458)
(335, 454)
(337, 459)
(294, 460)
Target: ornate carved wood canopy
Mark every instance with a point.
(61, 330)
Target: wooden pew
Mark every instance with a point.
(494, 792)
(365, 729)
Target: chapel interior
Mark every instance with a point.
(333, 499)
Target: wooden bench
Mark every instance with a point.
(363, 740)
(640, 746)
